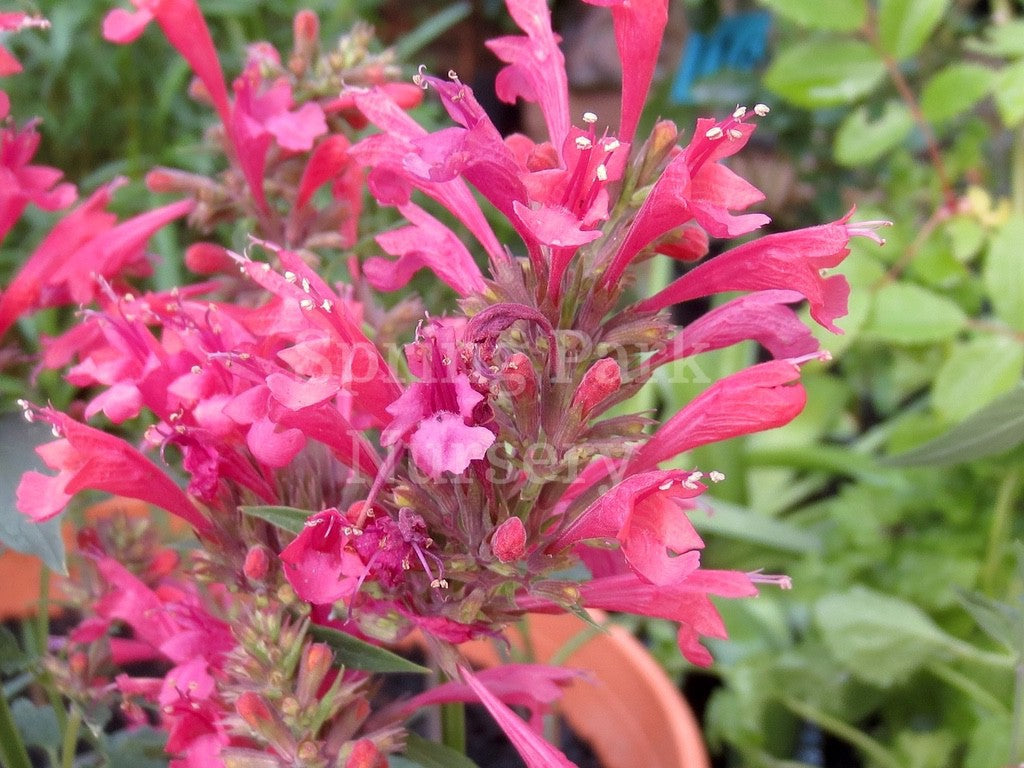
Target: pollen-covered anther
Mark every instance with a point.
(583, 143)
(305, 285)
(290, 276)
(439, 584)
(735, 133)
(715, 476)
(665, 486)
(589, 117)
(691, 481)
(196, 370)
(307, 304)
(761, 110)
(419, 80)
(129, 297)
(327, 305)
(611, 144)
(265, 267)
(714, 133)
(602, 172)
(739, 113)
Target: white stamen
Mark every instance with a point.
(715, 476)
(305, 285)
(602, 172)
(761, 110)
(739, 113)
(326, 305)
(582, 143)
(713, 133)
(589, 118)
(306, 304)
(290, 276)
(665, 486)
(611, 144)
(735, 133)
(196, 370)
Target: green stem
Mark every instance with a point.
(999, 531)
(871, 748)
(987, 658)
(968, 686)
(43, 612)
(12, 749)
(453, 726)
(573, 644)
(70, 744)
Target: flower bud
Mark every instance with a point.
(316, 662)
(601, 380)
(207, 259)
(519, 377)
(508, 542)
(365, 755)
(257, 563)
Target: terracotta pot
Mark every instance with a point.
(633, 715)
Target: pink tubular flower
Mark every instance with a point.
(88, 458)
(645, 514)
(183, 24)
(535, 751)
(321, 564)
(21, 183)
(639, 26)
(761, 397)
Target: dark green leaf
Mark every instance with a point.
(904, 26)
(17, 440)
(994, 429)
(12, 658)
(430, 754)
(286, 518)
(1009, 93)
(358, 654)
(882, 640)
(825, 73)
(137, 748)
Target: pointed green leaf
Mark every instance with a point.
(12, 658)
(861, 140)
(835, 15)
(431, 754)
(994, 429)
(1004, 272)
(1000, 40)
(286, 518)
(358, 654)
(955, 89)
(904, 313)
(904, 26)
(882, 640)
(825, 73)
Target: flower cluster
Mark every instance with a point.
(489, 467)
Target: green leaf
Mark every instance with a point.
(286, 518)
(904, 313)
(835, 15)
(955, 89)
(825, 73)
(966, 237)
(432, 28)
(861, 140)
(430, 754)
(1009, 93)
(1000, 40)
(958, 390)
(734, 522)
(358, 654)
(904, 26)
(994, 429)
(1002, 622)
(882, 640)
(135, 748)
(36, 724)
(1004, 272)
(12, 658)
(17, 439)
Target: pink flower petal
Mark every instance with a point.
(443, 443)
